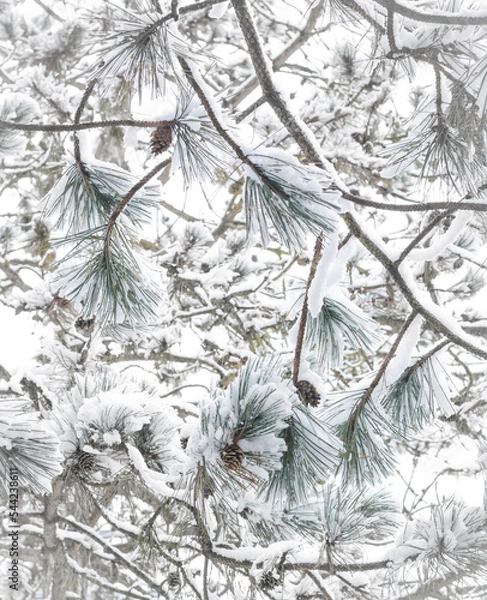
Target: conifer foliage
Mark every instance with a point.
(243, 250)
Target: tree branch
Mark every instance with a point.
(317, 253)
(379, 375)
(301, 38)
(438, 17)
(413, 301)
(272, 95)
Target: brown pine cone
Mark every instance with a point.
(161, 138)
(308, 393)
(232, 457)
(84, 462)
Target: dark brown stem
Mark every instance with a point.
(280, 60)
(437, 17)
(462, 204)
(77, 117)
(128, 196)
(317, 253)
(379, 375)
(188, 72)
(426, 357)
(270, 92)
(78, 126)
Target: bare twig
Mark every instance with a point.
(437, 17)
(280, 60)
(129, 195)
(378, 377)
(317, 252)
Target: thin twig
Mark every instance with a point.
(128, 196)
(115, 552)
(280, 60)
(78, 126)
(317, 253)
(378, 377)
(77, 117)
(437, 17)
(316, 581)
(422, 234)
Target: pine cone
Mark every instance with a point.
(161, 138)
(84, 462)
(85, 326)
(268, 581)
(232, 457)
(173, 580)
(308, 393)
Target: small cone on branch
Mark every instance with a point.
(308, 393)
(84, 462)
(161, 138)
(85, 326)
(232, 457)
(173, 580)
(268, 581)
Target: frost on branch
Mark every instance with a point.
(450, 540)
(295, 199)
(29, 444)
(258, 431)
(85, 198)
(16, 108)
(106, 417)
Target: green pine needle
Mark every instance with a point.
(413, 399)
(311, 455)
(199, 149)
(368, 439)
(140, 50)
(292, 198)
(108, 280)
(84, 199)
(29, 446)
(335, 324)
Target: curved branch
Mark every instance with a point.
(465, 18)
(414, 302)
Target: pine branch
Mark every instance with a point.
(413, 301)
(437, 17)
(77, 117)
(462, 204)
(411, 399)
(301, 38)
(335, 323)
(10, 125)
(422, 234)
(130, 194)
(293, 210)
(307, 145)
(350, 429)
